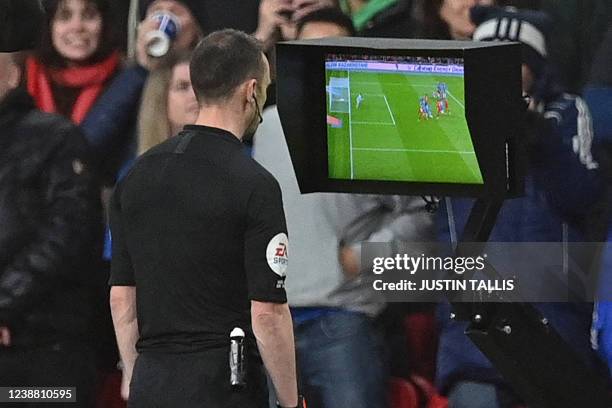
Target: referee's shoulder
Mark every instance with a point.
(254, 173)
(147, 160)
(155, 153)
(167, 146)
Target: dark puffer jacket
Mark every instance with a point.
(562, 184)
(49, 225)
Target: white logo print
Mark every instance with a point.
(276, 254)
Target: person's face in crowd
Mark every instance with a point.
(9, 75)
(260, 95)
(182, 103)
(321, 29)
(76, 29)
(190, 30)
(456, 13)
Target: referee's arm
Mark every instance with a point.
(273, 330)
(266, 258)
(123, 296)
(123, 310)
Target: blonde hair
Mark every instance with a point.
(153, 123)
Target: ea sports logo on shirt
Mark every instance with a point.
(277, 255)
(281, 250)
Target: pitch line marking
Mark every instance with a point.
(456, 100)
(376, 149)
(414, 86)
(388, 107)
(350, 102)
(373, 123)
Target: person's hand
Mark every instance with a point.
(5, 336)
(300, 403)
(350, 262)
(288, 31)
(185, 40)
(272, 15)
(305, 7)
(126, 378)
(142, 57)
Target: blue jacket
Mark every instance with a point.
(562, 183)
(599, 100)
(110, 124)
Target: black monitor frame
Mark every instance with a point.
(492, 73)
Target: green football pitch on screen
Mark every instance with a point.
(377, 130)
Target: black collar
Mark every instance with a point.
(207, 130)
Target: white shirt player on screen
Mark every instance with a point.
(359, 100)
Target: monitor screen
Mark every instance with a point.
(398, 118)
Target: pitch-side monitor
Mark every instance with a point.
(402, 116)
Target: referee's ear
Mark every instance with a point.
(250, 90)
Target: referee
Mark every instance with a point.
(200, 248)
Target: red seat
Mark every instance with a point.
(437, 401)
(403, 394)
(109, 391)
(422, 343)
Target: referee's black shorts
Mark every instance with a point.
(194, 380)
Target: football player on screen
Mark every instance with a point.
(359, 100)
(424, 108)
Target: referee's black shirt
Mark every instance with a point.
(198, 227)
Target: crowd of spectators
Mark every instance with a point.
(117, 101)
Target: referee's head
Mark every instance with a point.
(230, 73)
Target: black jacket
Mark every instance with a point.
(49, 225)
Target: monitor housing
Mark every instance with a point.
(493, 106)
